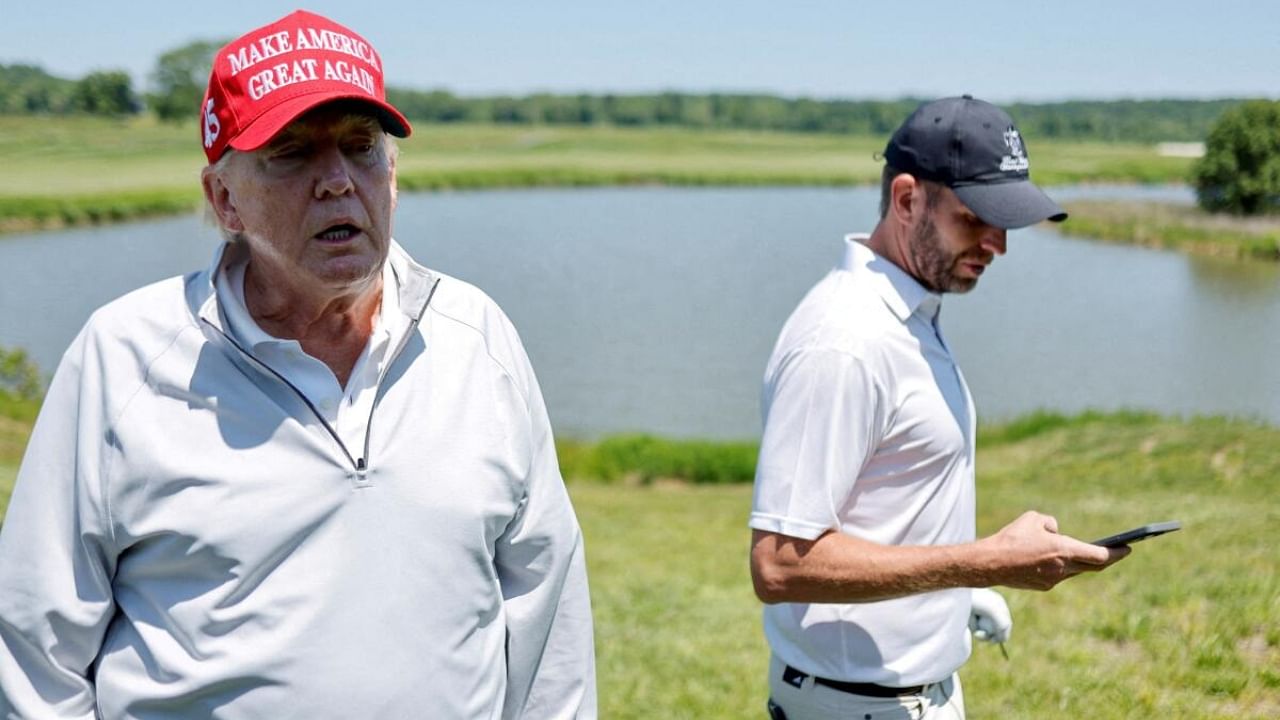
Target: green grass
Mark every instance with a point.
(37, 212)
(1175, 227)
(677, 626)
(80, 170)
(1185, 628)
(644, 459)
(8, 473)
(15, 427)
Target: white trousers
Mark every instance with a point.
(810, 701)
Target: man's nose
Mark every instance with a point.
(333, 173)
(995, 240)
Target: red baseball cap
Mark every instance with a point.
(267, 78)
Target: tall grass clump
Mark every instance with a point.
(1176, 228)
(1040, 422)
(646, 458)
(19, 213)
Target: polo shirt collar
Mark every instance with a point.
(903, 294)
(413, 282)
(230, 284)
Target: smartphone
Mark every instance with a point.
(1129, 537)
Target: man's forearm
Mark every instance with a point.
(1027, 553)
(838, 568)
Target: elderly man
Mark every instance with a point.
(863, 540)
(316, 480)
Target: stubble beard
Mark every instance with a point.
(935, 265)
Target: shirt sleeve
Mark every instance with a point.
(55, 559)
(542, 569)
(824, 417)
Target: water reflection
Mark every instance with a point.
(1230, 279)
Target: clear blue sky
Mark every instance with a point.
(1002, 51)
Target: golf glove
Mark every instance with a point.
(989, 619)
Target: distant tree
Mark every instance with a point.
(1240, 170)
(179, 79)
(510, 110)
(695, 110)
(105, 93)
(631, 110)
(433, 106)
(27, 89)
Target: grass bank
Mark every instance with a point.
(1185, 628)
(83, 170)
(1178, 227)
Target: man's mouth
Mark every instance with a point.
(338, 233)
(976, 265)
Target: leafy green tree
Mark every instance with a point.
(630, 110)
(179, 79)
(27, 89)
(1240, 170)
(106, 93)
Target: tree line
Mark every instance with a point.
(27, 89)
(1109, 121)
(177, 83)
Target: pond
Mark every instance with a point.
(654, 309)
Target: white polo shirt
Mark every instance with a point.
(869, 431)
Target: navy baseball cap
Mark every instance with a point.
(973, 148)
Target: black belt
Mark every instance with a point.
(795, 678)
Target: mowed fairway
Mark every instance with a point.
(1187, 627)
(69, 170)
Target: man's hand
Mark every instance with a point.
(1030, 554)
(989, 620)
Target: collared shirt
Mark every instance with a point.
(346, 409)
(869, 431)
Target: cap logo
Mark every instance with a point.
(211, 126)
(1016, 160)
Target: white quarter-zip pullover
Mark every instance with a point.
(186, 540)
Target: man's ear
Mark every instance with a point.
(219, 198)
(906, 198)
(395, 187)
